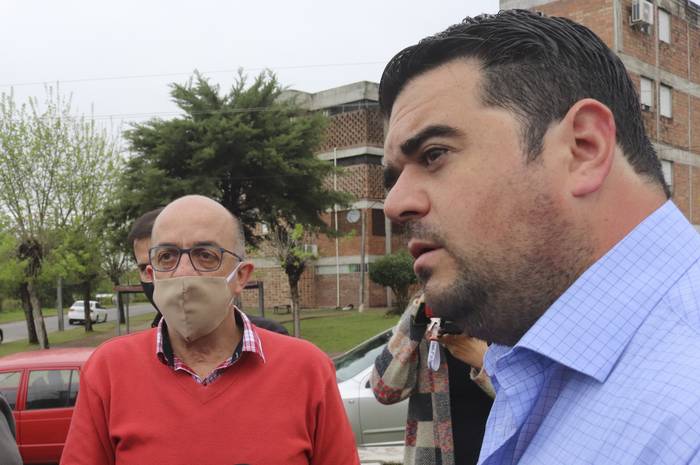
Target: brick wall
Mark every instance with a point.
(673, 57)
(695, 55)
(354, 128)
(594, 14)
(674, 131)
(276, 288)
(695, 128)
(375, 296)
(681, 187)
(635, 42)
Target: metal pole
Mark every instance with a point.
(59, 303)
(362, 261)
(261, 298)
(337, 240)
(120, 311)
(128, 298)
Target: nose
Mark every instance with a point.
(406, 200)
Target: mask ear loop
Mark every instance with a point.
(233, 273)
(230, 277)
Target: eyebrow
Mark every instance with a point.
(196, 244)
(410, 146)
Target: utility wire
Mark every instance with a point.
(146, 76)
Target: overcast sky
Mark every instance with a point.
(120, 55)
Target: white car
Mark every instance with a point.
(76, 313)
(372, 423)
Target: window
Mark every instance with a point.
(646, 93)
(378, 226)
(52, 389)
(665, 99)
(664, 26)
(667, 169)
(9, 384)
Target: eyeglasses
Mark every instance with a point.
(202, 257)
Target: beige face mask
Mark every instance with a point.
(194, 306)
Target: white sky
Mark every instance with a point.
(88, 40)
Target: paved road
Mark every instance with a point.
(18, 330)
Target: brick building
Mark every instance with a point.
(354, 140)
(661, 52)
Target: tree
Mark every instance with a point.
(246, 148)
(396, 272)
(288, 243)
(53, 166)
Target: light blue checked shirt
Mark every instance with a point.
(610, 374)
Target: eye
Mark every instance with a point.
(431, 155)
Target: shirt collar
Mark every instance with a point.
(250, 341)
(589, 326)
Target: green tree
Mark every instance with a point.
(11, 269)
(53, 168)
(288, 243)
(396, 272)
(246, 148)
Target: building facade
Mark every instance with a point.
(353, 141)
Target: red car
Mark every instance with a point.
(41, 387)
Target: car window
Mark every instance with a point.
(52, 389)
(9, 385)
(359, 358)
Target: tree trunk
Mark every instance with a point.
(38, 317)
(86, 306)
(296, 316)
(28, 316)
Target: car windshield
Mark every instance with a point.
(351, 363)
(78, 303)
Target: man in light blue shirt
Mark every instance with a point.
(537, 213)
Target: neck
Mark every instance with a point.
(207, 352)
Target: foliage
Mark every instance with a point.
(55, 172)
(396, 272)
(247, 149)
(11, 268)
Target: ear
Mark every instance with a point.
(593, 144)
(244, 273)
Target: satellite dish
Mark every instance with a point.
(353, 215)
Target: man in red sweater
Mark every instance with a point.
(206, 387)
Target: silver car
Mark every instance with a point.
(373, 423)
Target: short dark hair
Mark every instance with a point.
(537, 67)
(143, 226)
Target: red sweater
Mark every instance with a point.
(134, 410)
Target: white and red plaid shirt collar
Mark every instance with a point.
(250, 342)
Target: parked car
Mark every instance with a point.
(372, 423)
(76, 314)
(41, 388)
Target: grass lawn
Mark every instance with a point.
(333, 331)
(337, 331)
(8, 316)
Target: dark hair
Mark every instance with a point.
(537, 67)
(143, 226)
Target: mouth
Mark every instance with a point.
(422, 251)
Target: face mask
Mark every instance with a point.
(148, 291)
(194, 306)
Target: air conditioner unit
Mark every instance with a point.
(642, 12)
(646, 107)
